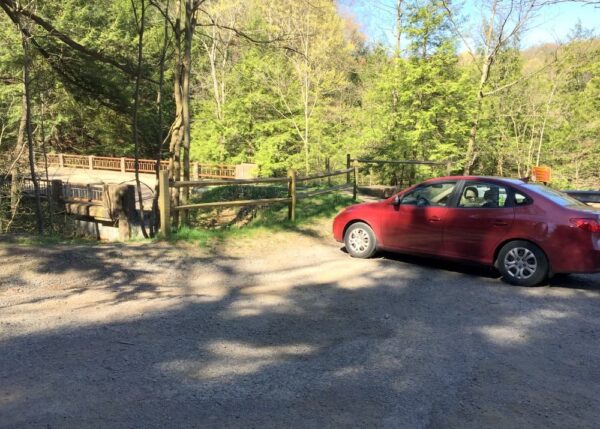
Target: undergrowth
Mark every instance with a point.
(268, 219)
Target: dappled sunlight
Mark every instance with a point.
(177, 331)
(255, 306)
(518, 329)
(234, 359)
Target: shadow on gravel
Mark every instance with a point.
(412, 347)
(443, 264)
(571, 281)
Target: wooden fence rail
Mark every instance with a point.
(166, 208)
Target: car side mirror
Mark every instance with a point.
(396, 201)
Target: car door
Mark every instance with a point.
(480, 221)
(417, 222)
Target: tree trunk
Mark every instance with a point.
(15, 170)
(185, 99)
(136, 104)
(398, 27)
(471, 153)
(177, 126)
(29, 134)
(159, 113)
(180, 130)
(45, 154)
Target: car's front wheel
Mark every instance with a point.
(522, 263)
(360, 240)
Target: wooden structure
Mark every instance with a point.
(402, 164)
(94, 206)
(292, 180)
(127, 165)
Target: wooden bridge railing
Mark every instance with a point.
(127, 165)
(67, 191)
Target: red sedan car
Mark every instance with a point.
(527, 231)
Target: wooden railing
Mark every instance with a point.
(68, 191)
(27, 187)
(166, 207)
(106, 163)
(74, 192)
(127, 165)
(588, 197)
(76, 161)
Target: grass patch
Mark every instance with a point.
(268, 219)
(26, 239)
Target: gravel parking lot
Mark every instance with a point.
(287, 330)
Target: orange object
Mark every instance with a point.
(541, 174)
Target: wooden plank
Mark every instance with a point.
(585, 196)
(406, 162)
(355, 184)
(264, 201)
(205, 183)
(323, 175)
(164, 203)
(292, 194)
(324, 191)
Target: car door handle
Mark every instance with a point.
(500, 223)
(434, 219)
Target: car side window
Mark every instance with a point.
(521, 200)
(435, 194)
(483, 195)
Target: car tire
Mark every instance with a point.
(360, 240)
(522, 263)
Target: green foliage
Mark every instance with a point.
(297, 84)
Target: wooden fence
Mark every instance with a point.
(127, 165)
(292, 179)
(405, 166)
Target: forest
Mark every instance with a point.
(291, 83)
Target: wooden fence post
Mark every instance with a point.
(328, 170)
(91, 162)
(195, 171)
(56, 193)
(122, 165)
(164, 202)
(292, 195)
(347, 167)
(355, 187)
(61, 160)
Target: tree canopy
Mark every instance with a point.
(289, 83)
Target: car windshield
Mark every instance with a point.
(556, 196)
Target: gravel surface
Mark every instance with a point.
(287, 330)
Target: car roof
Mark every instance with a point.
(478, 178)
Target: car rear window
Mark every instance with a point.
(556, 196)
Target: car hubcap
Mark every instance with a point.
(358, 240)
(520, 263)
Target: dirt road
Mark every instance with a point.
(287, 331)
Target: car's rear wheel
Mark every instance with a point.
(360, 240)
(522, 263)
